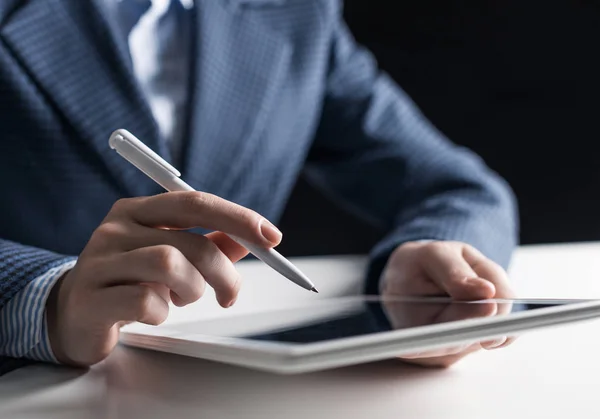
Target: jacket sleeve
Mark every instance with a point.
(26, 277)
(378, 156)
(19, 265)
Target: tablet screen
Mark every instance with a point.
(375, 316)
(329, 319)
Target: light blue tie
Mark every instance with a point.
(159, 38)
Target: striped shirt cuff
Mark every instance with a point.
(23, 323)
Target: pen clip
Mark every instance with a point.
(121, 136)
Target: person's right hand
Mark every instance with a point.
(140, 259)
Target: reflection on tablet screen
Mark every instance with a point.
(380, 316)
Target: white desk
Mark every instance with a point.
(547, 374)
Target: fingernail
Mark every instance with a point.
(270, 232)
(497, 343)
(473, 280)
(485, 287)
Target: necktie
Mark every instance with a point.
(129, 12)
(159, 42)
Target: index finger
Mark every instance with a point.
(489, 270)
(185, 210)
(448, 269)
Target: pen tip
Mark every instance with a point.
(313, 289)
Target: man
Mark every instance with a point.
(241, 95)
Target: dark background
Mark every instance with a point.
(514, 80)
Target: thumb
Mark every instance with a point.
(447, 268)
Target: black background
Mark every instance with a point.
(515, 80)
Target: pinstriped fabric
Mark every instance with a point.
(26, 273)
(43, 350)
(22, 320)
(279, 88)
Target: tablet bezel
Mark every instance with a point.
(284, 357)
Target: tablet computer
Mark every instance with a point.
(335, 332)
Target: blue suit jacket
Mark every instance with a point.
(278, 87)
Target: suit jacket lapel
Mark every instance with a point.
(240, 64)
(69, 51)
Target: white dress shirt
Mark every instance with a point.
(159, 37)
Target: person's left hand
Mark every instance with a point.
(452, 269)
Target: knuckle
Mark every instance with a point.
(431, 250)
(436, 249)
(196, 200)
(250, 219)
(247, 217)
(456, 273)
(165, 259)
(211, 257)
(109, 232)
(440, 245)
(466, 246)
(121, 205)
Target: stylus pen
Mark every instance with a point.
(157, 169)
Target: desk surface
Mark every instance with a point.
(547, 374)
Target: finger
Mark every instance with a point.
(412, 286)
(184, 210)
(451, 272)
(491, 271)
(494, 343)
(494, 273)
(206, 257)
(166, 294)
(114, 237)
(464, 311)
(161, 265)
(162, 290)
(131, 303)
(509, 341)
(455, 312)
(435, 353)
(499, 343)
(442, 361)
(228, 246)
(214, 266)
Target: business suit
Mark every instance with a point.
(278, 87)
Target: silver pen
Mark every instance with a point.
(157, 169)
